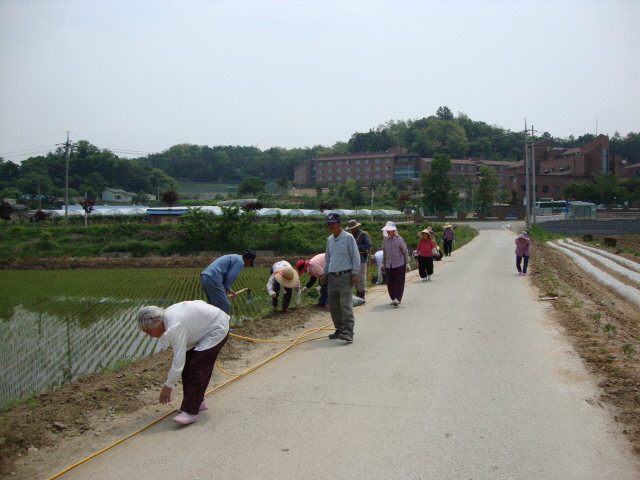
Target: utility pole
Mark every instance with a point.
(67, 147)
(39, 197)
(372, 202)
(526, 176)
(533, 178)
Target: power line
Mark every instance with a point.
(27, 151)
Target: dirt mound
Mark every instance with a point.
(603, 326)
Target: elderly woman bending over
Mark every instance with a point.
(196, 332)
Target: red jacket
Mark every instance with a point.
(424, 247)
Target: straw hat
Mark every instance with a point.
(287, 277)
(427, 231)
(352, 224)
(447, 225)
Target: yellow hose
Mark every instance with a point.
(235, 376)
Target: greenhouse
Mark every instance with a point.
(215, 210)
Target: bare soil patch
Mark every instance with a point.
(53, 430)
(603, 326)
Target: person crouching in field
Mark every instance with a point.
(196, 332)
(217, 278)
(314, 268)
(282, 273)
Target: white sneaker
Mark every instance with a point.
(185, 418)
(395, 302)
(428, 278)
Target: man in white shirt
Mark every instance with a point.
(342, 264)
(196, 332)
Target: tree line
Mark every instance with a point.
(459, 136)
(92, 169)
(38, 181)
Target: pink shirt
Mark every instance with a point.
(522, 246)
(316, 266)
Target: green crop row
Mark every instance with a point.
(198, 231)
(58, 324)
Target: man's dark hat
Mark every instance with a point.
(333, 217)
(250, 254)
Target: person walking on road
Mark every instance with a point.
(196, 332)
(522, 252)
(448, 237)
(282, 273)
(364, 244)
(396, 262)
(314, 268)
(425, 255)
(342, 264)
(217, 278)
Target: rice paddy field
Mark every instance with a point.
(56, 325)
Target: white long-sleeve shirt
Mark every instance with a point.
(188, 325)
(272, 278)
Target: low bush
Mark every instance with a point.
(200, 231)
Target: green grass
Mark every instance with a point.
(541, 235)
(87, 295)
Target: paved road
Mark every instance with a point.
(467, 379)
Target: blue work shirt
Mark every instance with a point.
(341, 254)
(225, 269)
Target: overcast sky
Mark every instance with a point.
(137, 77)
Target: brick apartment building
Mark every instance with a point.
(365, 167)
(468, 168)
(394, 164)
(556, 166)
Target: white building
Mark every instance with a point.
(117, 195)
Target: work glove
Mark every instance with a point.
(304, 290)
(408, 267)
(273, 295)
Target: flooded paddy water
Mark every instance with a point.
(56, 325)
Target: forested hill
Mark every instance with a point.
(92, 169)
(230, 163)
(455, 135)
